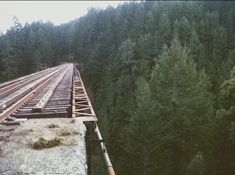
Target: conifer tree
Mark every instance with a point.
(184, 103)
(197, 51)
(224, 152)
(141, 136)
(197, 165)
(2, 67)
(183, 29)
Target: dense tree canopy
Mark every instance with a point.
(158, 74)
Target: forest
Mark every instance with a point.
(160, 75)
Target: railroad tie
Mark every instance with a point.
(46, 97)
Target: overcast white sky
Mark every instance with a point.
(57, 12)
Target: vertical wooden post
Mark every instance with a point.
(88, 138)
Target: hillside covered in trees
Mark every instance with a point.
(160, 75)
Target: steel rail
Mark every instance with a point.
(7, 112)
(9, 84)
(7, 101)
(19, 84)
(44, 100)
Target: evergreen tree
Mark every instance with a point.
(2, 67)
(185, 106)
(198, 51)
(197, 165)
(37, 59)
(141, 136)
(165, 29)
(224, 152)
(183, 29)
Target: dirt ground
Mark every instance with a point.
(19, 156)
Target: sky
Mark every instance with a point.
(58, 12)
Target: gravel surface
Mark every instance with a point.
(17, 155)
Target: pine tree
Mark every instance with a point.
(219, 64)
(224, 152)
(165, 29)
(197, 165)
(183, 29)
(198, 51)
(185, 106)
(37, 59)
(141, 136)
(2, 68)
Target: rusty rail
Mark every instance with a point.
(6, 86)
(24, 99)
(43, 101)
(54, 100)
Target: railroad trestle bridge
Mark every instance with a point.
(57, 93)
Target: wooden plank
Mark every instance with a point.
(88, 119)
(25, 98)
(42, 115)
(44, 100)
(82, 109)
(82, 105)
(86, 114)
(25, 90)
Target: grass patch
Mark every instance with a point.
(68, 133)
(53, 126)
(73, 121)
(76, 133)
(43, 143)
(65, 133)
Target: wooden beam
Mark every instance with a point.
(46, 97)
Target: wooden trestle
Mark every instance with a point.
(81, 107)
(81, 104)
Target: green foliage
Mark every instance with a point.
(183, 29)
(197, 165)
(228, 91)
(224, 151)
(197, 50)
(184, 103)
(139, 143)
(2, 67)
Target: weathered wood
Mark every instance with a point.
(43, 101)
(26, 95)
(42, 115)
(11, 123)
(82, 108)
(85, 114)
(26, 90)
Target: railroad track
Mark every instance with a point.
(33, 95)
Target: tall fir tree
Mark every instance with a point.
(141, 136)
(224, 152)
(185, 106)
